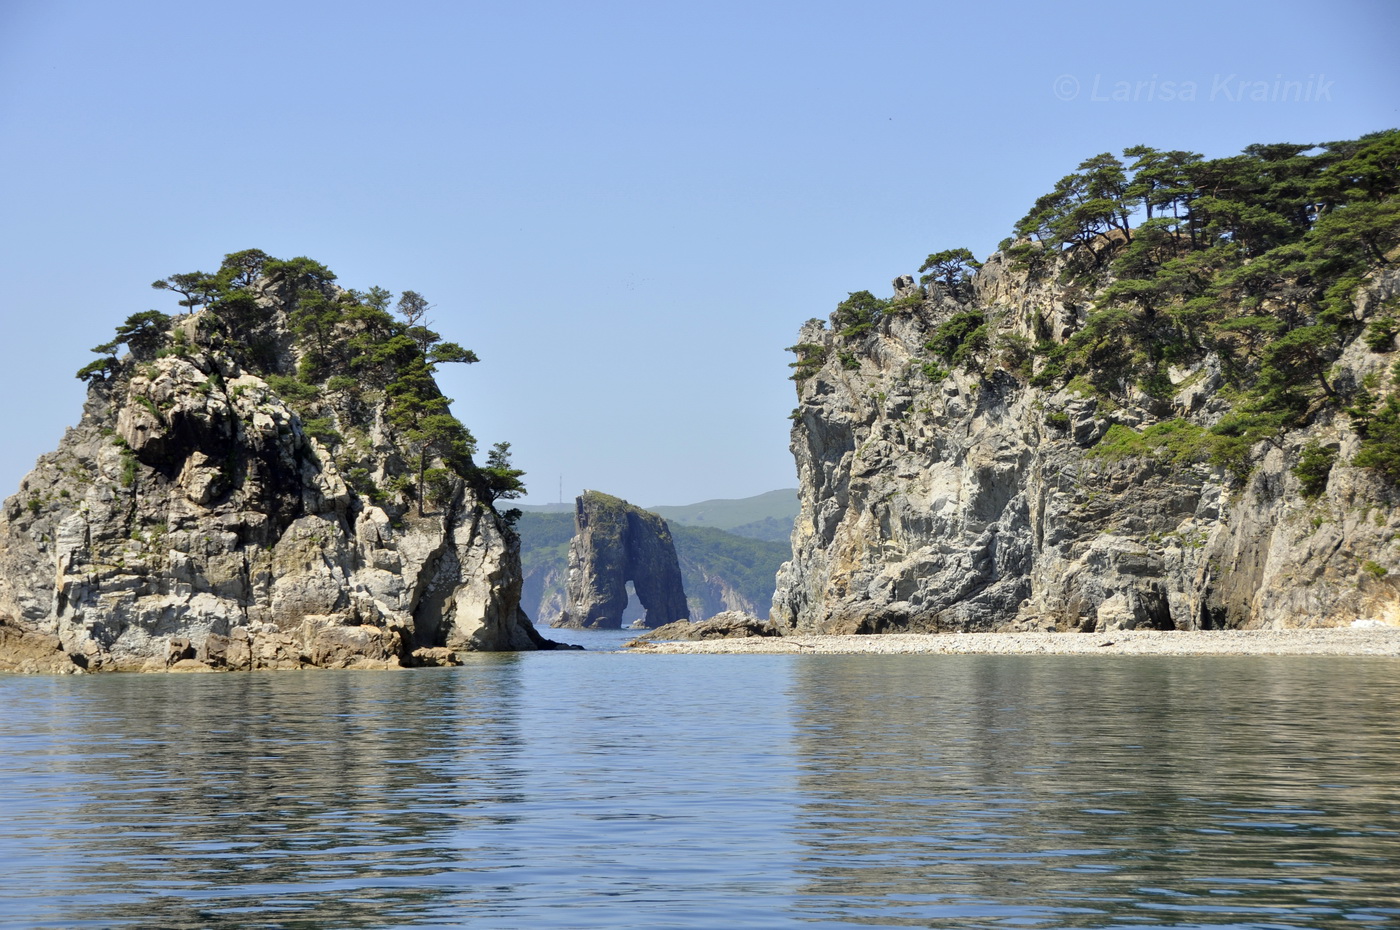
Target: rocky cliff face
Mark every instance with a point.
(971, 500)
(191, 519)
(614, 543)
(714, 594)
(543, 591)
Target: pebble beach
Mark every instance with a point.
(1346, 641)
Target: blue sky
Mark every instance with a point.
(626, 209)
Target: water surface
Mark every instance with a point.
(612, 790)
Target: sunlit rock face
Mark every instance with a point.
(940, 497)
(614, 543)
(191, 517)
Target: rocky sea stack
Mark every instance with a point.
(1171, 401)
(615, 543)
(269, 480)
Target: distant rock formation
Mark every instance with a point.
(719, 569)
(712, 593)
(542, 593)
(614, 543)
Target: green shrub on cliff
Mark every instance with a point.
(293, 390)
(962, 340)
(1168, 259)
(952, 268)
(143, 333)
(349, 353)
(98, 369)
(1380, 443)
(1313, 468)
(500, 479)
(1179, 441)
(1380, 334)
(810, 358)
(857, 314)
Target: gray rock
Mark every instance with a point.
(190, 518)
(730, 624)
(977, 503)
(614, 543)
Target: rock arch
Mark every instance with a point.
(614, 543)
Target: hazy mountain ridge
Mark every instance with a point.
(764, 516)
(721, 569)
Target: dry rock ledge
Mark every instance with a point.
(1342, 641)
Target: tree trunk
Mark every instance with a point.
(422, 467)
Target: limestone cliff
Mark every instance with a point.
(542, 594)
(214, 509)
(984, 498)
(712, 594)
(614, 543)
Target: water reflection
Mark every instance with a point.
(973, 791)
(330, 799)
(560, 790)
(622, 791)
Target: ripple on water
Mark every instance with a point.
(605, 790)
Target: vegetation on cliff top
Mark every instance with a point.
(349, 357)
(1254, 260)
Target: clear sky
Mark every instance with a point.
(626, 209)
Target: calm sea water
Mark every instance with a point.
(605, 790)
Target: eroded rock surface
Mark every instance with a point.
(614, 543)
(728, 624)
(973, 501)
(191, 517)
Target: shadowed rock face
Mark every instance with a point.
(614, 543)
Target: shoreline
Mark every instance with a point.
(1337, 641)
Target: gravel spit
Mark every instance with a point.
(1343, 641)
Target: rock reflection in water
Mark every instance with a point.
(626, 791)
(968, 791)
(328, 799)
